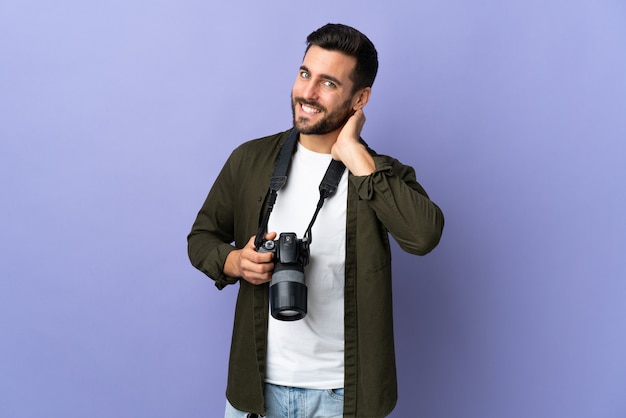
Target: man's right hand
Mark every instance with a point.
(252, 266)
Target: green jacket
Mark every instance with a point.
(388, 201)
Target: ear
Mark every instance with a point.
(361, 98)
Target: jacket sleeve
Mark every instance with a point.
(212, 233)
(402, 205)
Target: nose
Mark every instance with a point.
(310, 90)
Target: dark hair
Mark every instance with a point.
(345, 39)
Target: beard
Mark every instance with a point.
(327, 124)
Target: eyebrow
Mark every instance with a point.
(324, 76)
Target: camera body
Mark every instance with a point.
(288, 291)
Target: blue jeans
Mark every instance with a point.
(288, 402)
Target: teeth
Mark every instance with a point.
(309, 109)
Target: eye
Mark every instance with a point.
(329, 84)
(305, 74)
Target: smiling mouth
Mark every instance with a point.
(309, 109)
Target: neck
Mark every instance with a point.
(322, 144)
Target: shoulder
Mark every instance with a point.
(261, 146)
(256, 153)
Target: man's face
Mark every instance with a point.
(322, 99)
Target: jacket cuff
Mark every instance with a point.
(367, 185)
(222, 280)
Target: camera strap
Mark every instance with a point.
(327, 187)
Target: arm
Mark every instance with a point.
(214, 230)
(391, 190)
(209, 242)
(401, 205)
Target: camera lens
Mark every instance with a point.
(288, 293)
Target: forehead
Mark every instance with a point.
(334, 63)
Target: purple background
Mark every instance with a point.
(116, 116)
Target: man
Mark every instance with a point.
(339, 359)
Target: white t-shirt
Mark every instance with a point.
(309, 353)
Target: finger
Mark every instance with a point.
(257, 256)
(251, 255)
(257, 273)
(256, 266)
(359, 119)
(257, 280)
(250, 243)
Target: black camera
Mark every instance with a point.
(288, 291)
